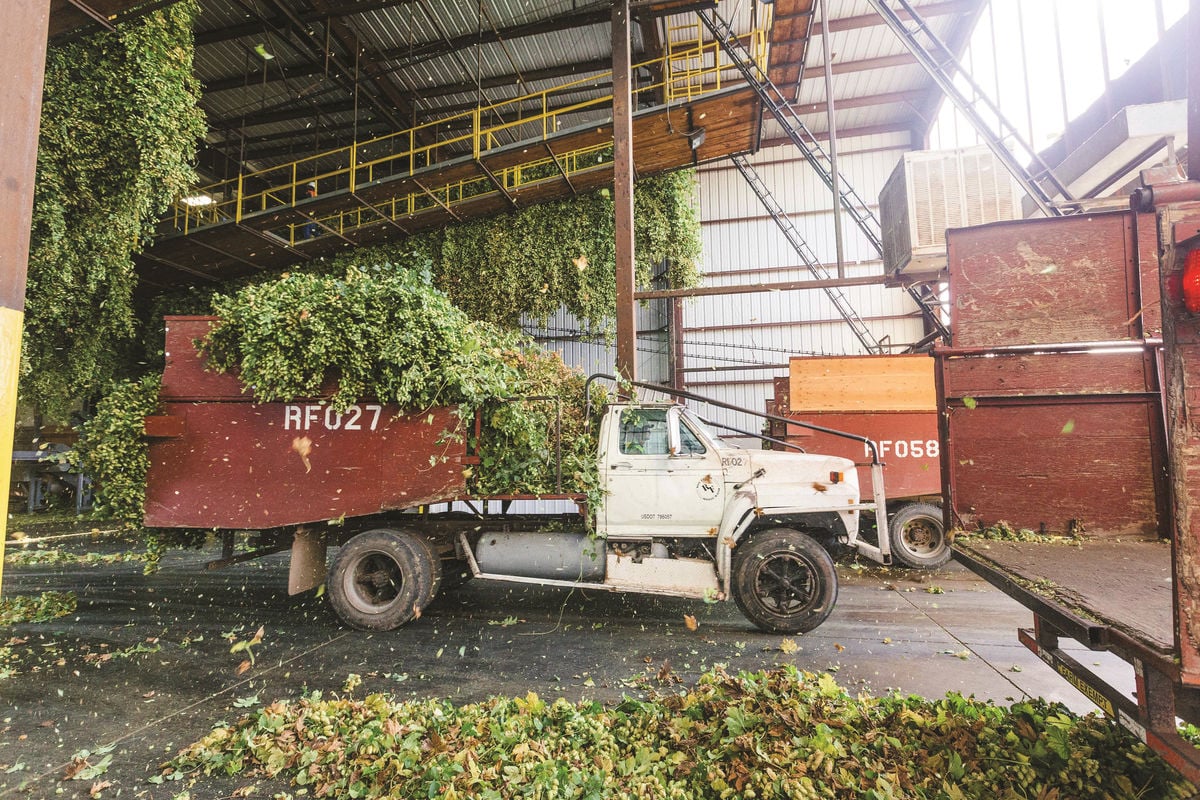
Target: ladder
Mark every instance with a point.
(836, 296)
(941, 65)
(930, 308)
(775, 102)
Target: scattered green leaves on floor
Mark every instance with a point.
(43, 557)
(776, 734)
(1004, 532)
(17, 609)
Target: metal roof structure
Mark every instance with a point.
(302, 85)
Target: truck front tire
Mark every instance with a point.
(382, 579)
(919, 537)
(783, 581)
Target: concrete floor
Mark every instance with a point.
(145, 664)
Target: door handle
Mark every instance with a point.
(620, 465)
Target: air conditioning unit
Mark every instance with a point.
(930, 191)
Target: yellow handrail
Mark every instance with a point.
(687, 73)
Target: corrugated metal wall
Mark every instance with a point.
(734, 345)
(597, 353)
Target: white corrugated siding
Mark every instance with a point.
(735, 345)
(727, 335)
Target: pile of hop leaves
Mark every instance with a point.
(775, 734)
(112, 450)
(539, 259)
(43, 607)
(539, 441)
(377, 332)
(34, 558)
(119, 131)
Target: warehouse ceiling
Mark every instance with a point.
(287, 83)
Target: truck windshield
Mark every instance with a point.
(705, 429)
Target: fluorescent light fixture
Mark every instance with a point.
(198, 200)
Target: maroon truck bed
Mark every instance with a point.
(220, 460)
(1052, 408)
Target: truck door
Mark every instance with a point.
(662, 478)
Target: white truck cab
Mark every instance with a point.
(687, 514)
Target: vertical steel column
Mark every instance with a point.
(22, 70)
(1193, 68)
(623, 191)
(833, 143)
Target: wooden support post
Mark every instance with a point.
(626, 365)
(22, 70)
(675, 352)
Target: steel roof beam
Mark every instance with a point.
(407, 56)
(281, 23)
(862, 65)
(941, 9)
(908, 96)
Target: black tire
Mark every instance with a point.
(383, 578)
(918, 536)
(784, 581)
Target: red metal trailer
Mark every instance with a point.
(1051, 405)
(320, 464)
(892, 401)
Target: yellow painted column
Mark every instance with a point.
(10, 362)
(22, 71)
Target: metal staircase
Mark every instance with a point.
(806, 254)
(775, 102)
(983, 114)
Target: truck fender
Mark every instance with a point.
(739, 516)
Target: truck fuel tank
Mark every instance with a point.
(552, 556)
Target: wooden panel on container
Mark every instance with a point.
(862, 383)
(907, 441)
(1094, 372)
(185, 376)
(241, 465)
(1054, 467)
(1063, 279)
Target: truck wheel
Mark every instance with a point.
(918, 536)
(383, 578)
(784, 581)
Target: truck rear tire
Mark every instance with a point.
(919, 537)
(383, 578)
(783, 581)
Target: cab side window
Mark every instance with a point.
(644, 432)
